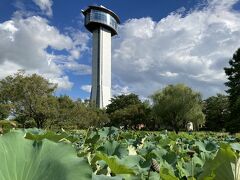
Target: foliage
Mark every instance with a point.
(216, 111)
(233, 83)
(129, 155)
(5, 110)
(177, 104)
(26, 159)
(7, 125)
(117, 154)
(122, 101)
(127, 110)
(30, 98)
(77, 115)
(88, 116)
(226, 165)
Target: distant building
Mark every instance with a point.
(103, 24)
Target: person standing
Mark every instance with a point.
(189, 127)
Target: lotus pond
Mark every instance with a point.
(113, 154)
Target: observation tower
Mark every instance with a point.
(103, 24)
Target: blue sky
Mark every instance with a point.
(159, 43)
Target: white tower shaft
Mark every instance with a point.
(103, 24)
(101, 67)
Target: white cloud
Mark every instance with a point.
(8, 68)
(78, 69)
(192, 48)
(117, 90)
(87, 88)
(45, 6)
(168, 74)
(24, 43)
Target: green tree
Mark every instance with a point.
(127, 110)
(76, 115)
(216, 112)
(5, 110)
(5, 107)
(85, 116)
(122, 101)
(30, 97)
(233, 84)
(175, 105)
(63, 118)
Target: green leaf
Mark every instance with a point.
(170, 157)
(93, 138)
(23, 159)
(201, 146)
(154, 176)
(108, 131)
(235, 146)
(210, 146)
(115, 165)
(50, 136)
(112, 148)
(181, 169)
(132, 160)
(222, 166)
(103, 177)
(166, 174)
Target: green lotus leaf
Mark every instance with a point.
(115, 165)
(50, 136)
(223, 167)
(235, 146)
(23, 159)
(166, 174)
(132, 160)
(92, 138)
(201, 146)
(112, 148)
(108, 131)
(182, 171)
(211, 146)
(170, 157)
(104, 177)
(154, 176)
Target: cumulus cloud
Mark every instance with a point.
(87, 88)
(184, 47)
(24, 45)
(118, 89)
(45, 6)
(78, 69)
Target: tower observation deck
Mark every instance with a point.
(103, 24)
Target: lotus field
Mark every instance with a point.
(110, 153)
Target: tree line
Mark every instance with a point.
(30, 101)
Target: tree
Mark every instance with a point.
(77, 115)
(88, 116)
(63, 118)
(233, 83)
(175, 105)
(5, 107)
(216, 112)
(30, 97)
(127, 110)
(5, 110)
(122, 101)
